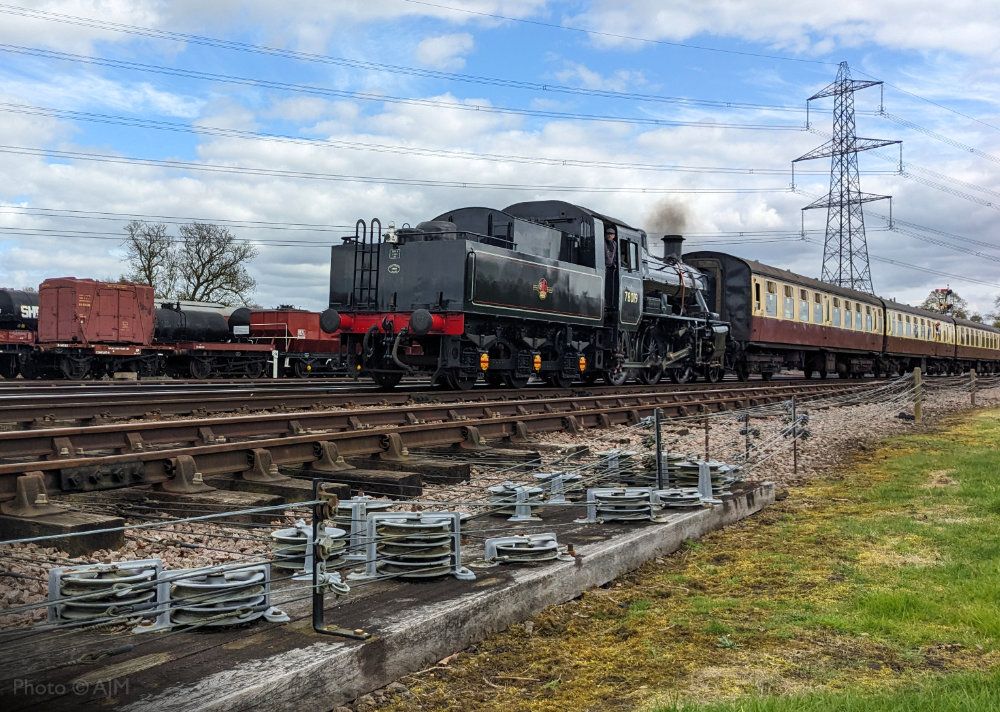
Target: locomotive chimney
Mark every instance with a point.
(672, 246)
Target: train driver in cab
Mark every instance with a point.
(610, 247)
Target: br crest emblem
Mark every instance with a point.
(542, 288)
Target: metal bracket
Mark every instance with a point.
(520, 434)
(328, 458)
(31, 499)
(262, 467)
(393, 449)
(471, 439)
(186, 479)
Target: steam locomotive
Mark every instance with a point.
(528, 290)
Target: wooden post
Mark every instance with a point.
(707, 454)
(918, 396)
(972, 376)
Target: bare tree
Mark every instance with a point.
(151, 256)
(211, 264)
(946, 301)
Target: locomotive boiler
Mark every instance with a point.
(533, 289)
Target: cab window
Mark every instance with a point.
(629, 255)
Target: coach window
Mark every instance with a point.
(789, 303)
(907, 327)
(771, 306)
(899, 325)
(835, 320)
(869, 322)
(756, 297)
(847, 314)
(857, 316)
(817, 308)
(803, 305)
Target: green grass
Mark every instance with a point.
(876, 589)
(955, 693)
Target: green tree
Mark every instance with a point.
(946, 301)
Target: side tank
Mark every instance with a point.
(176, 323)
(18, 309)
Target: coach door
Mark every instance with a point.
(630, 280)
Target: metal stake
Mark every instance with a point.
(795, 440)
(707, 454)
(319, 511)
(657, 419)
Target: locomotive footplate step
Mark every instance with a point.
(388, 483)
(431, 470)
(68, 523)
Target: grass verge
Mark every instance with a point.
(875, 589)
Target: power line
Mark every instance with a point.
(155, 33)
(201, 129)
(339, 177)
(376, 97)
(613, 35)
(941, 137)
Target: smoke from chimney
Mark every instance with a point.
(667, 217)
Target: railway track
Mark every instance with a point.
(35, 410)
(254, 446)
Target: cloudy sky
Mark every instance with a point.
(289, 121)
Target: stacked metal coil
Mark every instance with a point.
(416, 547)
(526, 550)
(291, 547)
(622, 467)
(572, 483)
(99, 590)
(624, 504)
(679, 497)
(218, 598)
(343, 517)
(684, 474)
(503, 497)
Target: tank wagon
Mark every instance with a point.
(528, 290)
(18, 325)
(779, 319)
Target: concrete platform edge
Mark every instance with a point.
(329, 672)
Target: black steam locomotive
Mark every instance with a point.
(534, 288)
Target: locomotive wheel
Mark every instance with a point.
(766, 375)
(387, 381)
(685, 374)
(558, 380)
(458, 381)
(616, 378)
(301, 369)
(713, 374)
(742, 371)
(74, 369)
(512, 380)
(254, 369)
(8, 367)
(199, 368)
(649, 346)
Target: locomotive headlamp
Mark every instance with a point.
(536, 362)
(583, 364)
(484, 362)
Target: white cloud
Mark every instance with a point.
(580, 75)
(968, 27)
(445, 51)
